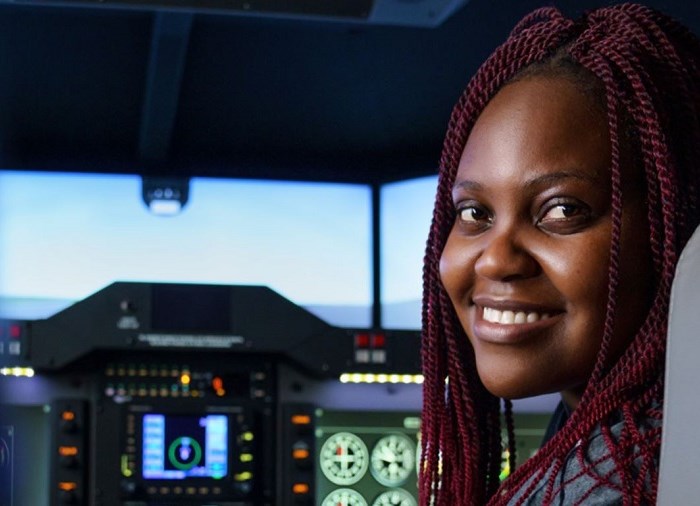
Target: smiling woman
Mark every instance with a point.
(525, 264)
(567, 187)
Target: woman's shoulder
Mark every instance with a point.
(591, 473)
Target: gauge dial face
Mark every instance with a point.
(395, 497)
(344, 497)
(393, 459)
(344, 458)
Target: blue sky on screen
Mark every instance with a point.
(407, 208)
(68, 235)
(406, 212)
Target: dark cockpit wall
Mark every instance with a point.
(361, 93)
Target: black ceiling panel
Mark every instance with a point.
(139, 90)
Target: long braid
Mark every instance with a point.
(639, 56)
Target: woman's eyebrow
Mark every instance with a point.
(562, 175)
(468, 184)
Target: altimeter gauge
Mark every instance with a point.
(344, 497)
(395, 497)
(344, 458)
(393, 459)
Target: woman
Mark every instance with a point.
(567, 189)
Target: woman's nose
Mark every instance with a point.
(505, 256)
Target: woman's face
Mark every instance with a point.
(526, 262)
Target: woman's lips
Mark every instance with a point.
(509, 323)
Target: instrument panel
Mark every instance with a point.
(111, 403)
(369, 457)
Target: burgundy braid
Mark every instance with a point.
(648, 69)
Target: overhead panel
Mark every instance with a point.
(413, 13)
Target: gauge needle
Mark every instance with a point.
(387, 455)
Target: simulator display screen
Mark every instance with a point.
(177, 447)
(63, 236)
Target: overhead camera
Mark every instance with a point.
(165, 196)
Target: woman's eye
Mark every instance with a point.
(562, 212)
(471, 214)
(565, 217)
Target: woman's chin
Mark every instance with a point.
(514, 388)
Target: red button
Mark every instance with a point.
(378, 341)
(15, 331)
(361, 340)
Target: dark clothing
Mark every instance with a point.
(559, 418)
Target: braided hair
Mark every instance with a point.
(646, 68)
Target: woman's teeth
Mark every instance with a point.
(512, 317)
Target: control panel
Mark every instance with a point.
(186, 429)
(148, 394)
(185, 395)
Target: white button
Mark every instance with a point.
(14, 348)
(378, 356)
(361, 356)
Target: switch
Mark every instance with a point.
(69, 425)
(301, 455)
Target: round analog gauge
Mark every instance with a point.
(344, 458)
(395, 497)
(393, 459)
(344, 497)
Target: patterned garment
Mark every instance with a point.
(587, 476)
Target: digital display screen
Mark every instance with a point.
(178, 447)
